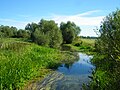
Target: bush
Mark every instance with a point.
(40, 38)
(77, 44)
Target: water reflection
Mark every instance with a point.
(82, 66)
(69, 77)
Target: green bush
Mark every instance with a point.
(107, 60)
(77, 44)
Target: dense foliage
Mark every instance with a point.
(69, 31)
(45, 33)
(107, 75)
(8, 32)
(48, 33)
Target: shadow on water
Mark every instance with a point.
(69, 77)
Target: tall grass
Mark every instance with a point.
(88, 42)
(20, 62)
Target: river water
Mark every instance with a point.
(69, 77)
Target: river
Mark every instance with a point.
(69, 77)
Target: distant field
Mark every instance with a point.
(89, 42)
(87, 46)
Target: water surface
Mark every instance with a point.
(80, 67)
(69, 77)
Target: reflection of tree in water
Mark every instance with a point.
(68, 65)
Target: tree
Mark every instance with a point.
(40, 38)
(23, 34)
(108, 45)
(7, 31)
(51, 29)
(69, 31)
(14, 31)
(31, 27)
(47, 30)
(108, 42)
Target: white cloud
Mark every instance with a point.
(80, 19)
(12, 22)
(89, 13)
(86, 21)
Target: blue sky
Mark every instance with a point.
(85, 13)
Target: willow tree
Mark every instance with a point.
(109, 40)
(108, 45)
(69, 31)
(46, 32)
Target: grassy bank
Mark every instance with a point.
(22, 61)
(83, 45)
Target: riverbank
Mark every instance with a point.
(22, 62)
(66, 76)
(82, 45)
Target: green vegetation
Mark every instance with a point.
(81, 45)
(87, 46)
(88, 42)
(107, 59)
(69, 31)
(13, 32)
(22, 61)
(45, 33)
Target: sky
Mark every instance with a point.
(87, 14)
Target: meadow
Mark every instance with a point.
(22, 61)
(89, 42)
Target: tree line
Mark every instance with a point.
(46, 32)
(12, 32)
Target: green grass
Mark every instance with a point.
(88, 42)
(21, 61)
(70, 47)
(12, 39)
(87, 46)
(84, 45)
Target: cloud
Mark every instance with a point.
(89, 13)
(87, 21)
(80, 19)
(12, 22)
